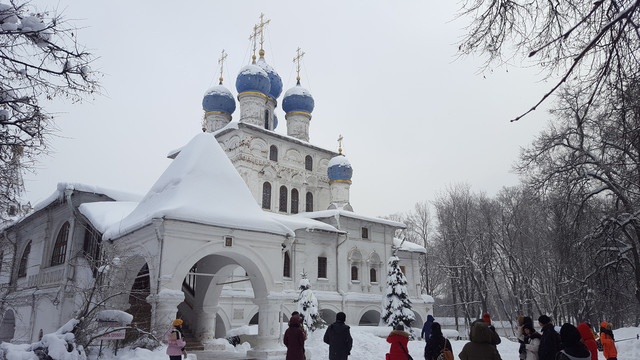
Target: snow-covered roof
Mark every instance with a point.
(296, 223)
(408, 246)
(102, 214)
(351, 214)
(201, 185)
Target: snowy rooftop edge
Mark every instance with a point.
(340, 212)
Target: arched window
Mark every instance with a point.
(309, 207)
(22, 269)
(273, 153)
(355, 260)
(286, 270)
(354, 273)
(373, 275)
(283, 199)
(266, 119)
(266, 195)
(294, 201)
(308, 162)
(60, 247)
(322, 267)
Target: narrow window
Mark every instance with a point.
(294, 201)
(60, 247)
(322, 267)
(365, 233)
(372, 275)
(266, 119)
(286, 270)
(283, 199)
(273, 153)
(309, 207)
(308, 162)
(354, 273)
(266, 196)
(22, 269)
(92, 248)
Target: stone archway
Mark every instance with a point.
(328, 315)
(370, 318)
(7, 326)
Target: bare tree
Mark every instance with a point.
(589, 45)
(40, 60)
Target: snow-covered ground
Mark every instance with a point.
(369, 343)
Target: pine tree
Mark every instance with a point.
(396, 306)
(308, 306)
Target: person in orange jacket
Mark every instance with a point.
(608, 341)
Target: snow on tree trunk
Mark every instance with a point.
(396, 306)
(308, 306)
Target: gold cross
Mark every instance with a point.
(262, 24)
(253, 37)
(296, 60)
(340, 144)
(221, 62)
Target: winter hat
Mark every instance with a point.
(604, 324)
(341, 316)
(570, 335)
(295, 320)
(527, 320)
(544, 319)
(399, 327)
(177, 322)
(529, 326)
(486, 318)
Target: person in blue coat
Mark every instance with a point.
(426, 328)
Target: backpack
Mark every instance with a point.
(445, 354)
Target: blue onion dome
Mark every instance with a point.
(219, 98)
(274, 78)
(297, 99)
(339, 169)
(252, 78)
(275, 121)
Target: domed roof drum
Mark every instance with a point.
(297, 99)
(219, 98)
(253, 78)
(274, 78)
(339, 169)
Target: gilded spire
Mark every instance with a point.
(340, 144)
(261, 26)
(253, 38)
(221, 62)
(296, 60)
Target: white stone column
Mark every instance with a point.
(206, 326)
(165, 307)
(267, 346)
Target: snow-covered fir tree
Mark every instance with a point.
(308, 305)
(396, 306)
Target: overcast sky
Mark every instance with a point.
(384, 74)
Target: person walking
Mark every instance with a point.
(436, 343)
(532, 341)
(294, 339)
(523, 338)
(550, 342)
(176, 342)
(573, 348)
(338, 336)
(608, 341)
(426, 328)
(480, 345)
(399, 339)
(588, 339)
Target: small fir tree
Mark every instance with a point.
(308, 306)
(396, 306)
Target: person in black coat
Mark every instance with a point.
(338, 336)
(550, 342)
(574, 349)
(435, 343)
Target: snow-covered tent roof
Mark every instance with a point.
(408, 246)
(201, 185)
(351, 214)
(102, 214)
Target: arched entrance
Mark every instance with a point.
(370, 318)
(328, 315)
(7, 326)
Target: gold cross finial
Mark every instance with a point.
(253, 38)
(340, 144)
(261, 26)
(296, 60)
(221, 62)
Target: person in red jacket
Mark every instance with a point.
(294, 339)
(608, 341)
(588, 339)
(399, 339)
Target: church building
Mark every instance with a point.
(223, 237)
